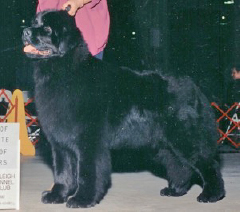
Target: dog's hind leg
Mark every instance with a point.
(178, 174)
(65, 183)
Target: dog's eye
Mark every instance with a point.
(34, 23)
(48, 29)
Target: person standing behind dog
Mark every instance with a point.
(92, 18)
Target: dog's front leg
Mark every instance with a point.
(64, 172)
(94, 171)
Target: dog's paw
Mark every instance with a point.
(74, 202)
(49, 197)
(207, 197)
(212, 194)
(171, 192)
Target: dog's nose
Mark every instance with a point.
(27, 32)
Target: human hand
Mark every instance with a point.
(75, 5)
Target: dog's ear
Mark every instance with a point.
(70, 35)
(63, 46)
(68, 41)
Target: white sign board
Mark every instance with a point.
(9, 166)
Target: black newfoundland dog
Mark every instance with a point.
(88, 108)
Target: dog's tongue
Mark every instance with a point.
(31, 49)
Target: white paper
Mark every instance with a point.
(9, 166)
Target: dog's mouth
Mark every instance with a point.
(30, 49)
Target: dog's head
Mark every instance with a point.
(52, 34)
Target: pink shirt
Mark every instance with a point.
(92, 20)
